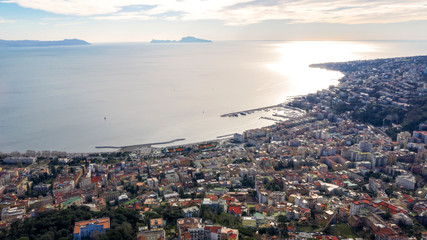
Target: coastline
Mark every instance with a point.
(285, 105)
(288, 105)
(218, 138)
(163, 119)
(150, 145)
(141, 145)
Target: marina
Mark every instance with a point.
(243, 113)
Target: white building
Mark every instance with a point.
(9, 214)
(191, 228)
(153, 183)
(365, 146)
(406, 181)
(379, 160)
(172, 177)
(238, 138)
(300, 201)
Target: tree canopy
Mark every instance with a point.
(54, 224)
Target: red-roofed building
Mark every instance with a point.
(338, 182)
(157, 234)
(96, 179)
(235, 210)
(190, 228)
(228, 233)
(359, 205)
(213, 232)
(229, 199)
(327, 237)
(212, 197)
(232, 236)
(390, 208)
(388, 234)
(156, 223)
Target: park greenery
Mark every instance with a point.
(59, 224)
(392, 118)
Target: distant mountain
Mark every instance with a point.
(35, 43)
(183, 40)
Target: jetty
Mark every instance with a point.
(141, 145)
(227, 135)
(271, 119)
(235, 114)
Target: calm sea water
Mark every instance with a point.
(56, 98)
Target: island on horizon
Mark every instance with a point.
(188, 39)
(36, 43)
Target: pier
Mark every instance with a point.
(141, 145)
(235, 114)
(227, 135)
(271, 119)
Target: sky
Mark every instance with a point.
(143, 20)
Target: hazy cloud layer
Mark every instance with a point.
(239, 12)
(3, 20)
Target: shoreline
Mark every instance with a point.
(219, 138)
(141, 145)
(285, 105)
(150, 145)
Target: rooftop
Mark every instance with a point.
(105, 222)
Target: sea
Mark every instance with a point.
(75, 98)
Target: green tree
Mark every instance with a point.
(53, 224)
(387, 216)
(252, 211)
(282, 219)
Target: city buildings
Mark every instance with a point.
(296, 177)
(91, 228)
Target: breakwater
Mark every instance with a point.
(235, 114)
(141, 145)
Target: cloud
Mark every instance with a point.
(2, 20)
(239, 12)
(62, 21)
(124, 16)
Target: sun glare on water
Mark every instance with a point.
(295, 58)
